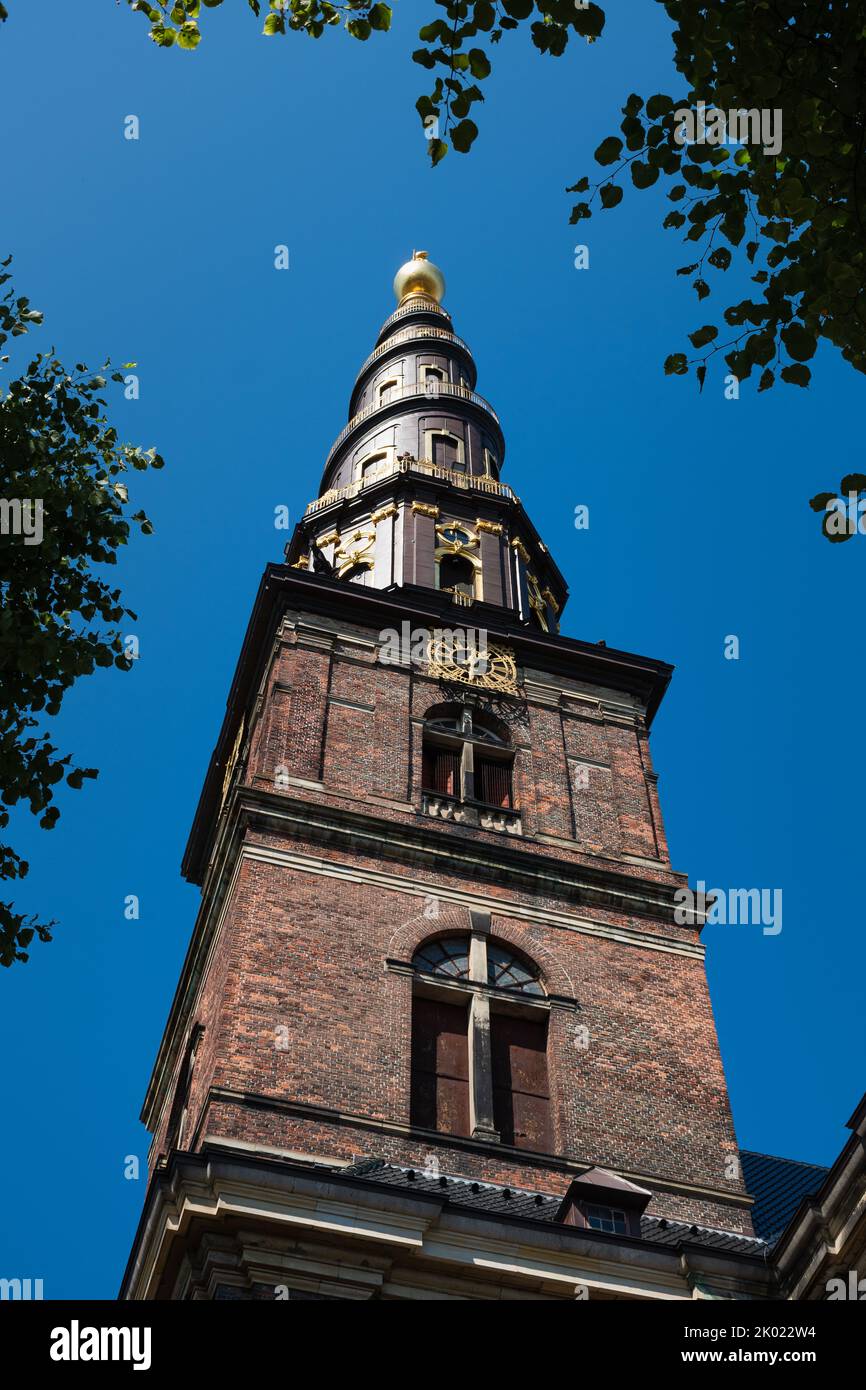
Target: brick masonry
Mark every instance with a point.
(306, 1008)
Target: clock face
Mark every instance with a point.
(492, 666)
(454, 536)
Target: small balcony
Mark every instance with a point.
(472, 813)
(467, 482)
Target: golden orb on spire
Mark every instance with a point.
(419, 276)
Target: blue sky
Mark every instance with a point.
(161, 251)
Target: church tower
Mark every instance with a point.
(440, 1031)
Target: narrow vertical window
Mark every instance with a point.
(521, 1096)
(440, 1066)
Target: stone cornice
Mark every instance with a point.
(226, 1193)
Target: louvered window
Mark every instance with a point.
(521, 1097)
(493, 782)
(441, 771)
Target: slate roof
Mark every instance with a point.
(778, 1186)
(536, 1206)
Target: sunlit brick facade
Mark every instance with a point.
(438, 1033)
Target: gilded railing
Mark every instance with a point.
(408, 335)
(421, 305)
(468, 482)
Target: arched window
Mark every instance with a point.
(385, 389)
(445, 449)
(456, 574)
(431, 379)
(467, 758)
(458, 562)
(479, 1042)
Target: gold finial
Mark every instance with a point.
(419, 276)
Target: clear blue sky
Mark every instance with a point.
(162, 251)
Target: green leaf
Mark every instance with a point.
(609, 151)
(704, 335)
(380, 17)
(800, 343)
(188, 36)
(797, 374)
(463, 135)
(658, 106)
(479, 63)
(611, 194)
(643, 175)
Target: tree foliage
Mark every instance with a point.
(797, 215)
(794, 217)
(178, 21)
(58, 616)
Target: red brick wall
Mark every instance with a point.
(298, 1007)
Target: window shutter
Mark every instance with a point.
(440, 1066)
(521, 1095)
(493, 782)
(441, 771)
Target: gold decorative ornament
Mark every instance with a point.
(546, 594)
(332, 538)
(518, 546)
(454, 538)
(419, 276)
(493, 668)
(384, 512)
(536, 600)
(425, 509)
(356, 551)
(302, 564)
(233, 757)
(493, 527)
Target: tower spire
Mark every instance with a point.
(411, 492)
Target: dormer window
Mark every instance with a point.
(610, 1219)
